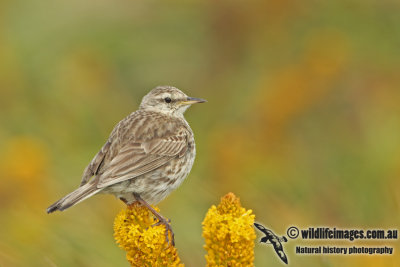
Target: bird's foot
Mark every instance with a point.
(168, 228)
(161, 220)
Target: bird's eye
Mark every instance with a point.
(167, 100)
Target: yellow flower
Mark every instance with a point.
(144, 243)
(229, 233)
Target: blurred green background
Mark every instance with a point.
(302, 120)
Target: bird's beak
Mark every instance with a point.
(192, 100)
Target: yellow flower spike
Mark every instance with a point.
(145, 244)
(229, 234)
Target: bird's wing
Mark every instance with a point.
(264, 230)
(279, 250)
(95, 164)
(137, 158)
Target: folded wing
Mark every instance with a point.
(137, 158)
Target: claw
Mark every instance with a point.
(161, 220)
(166, 223)
(159, 223)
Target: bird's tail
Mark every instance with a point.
(74, 197)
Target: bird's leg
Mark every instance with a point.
(161, 219)
(124, 200)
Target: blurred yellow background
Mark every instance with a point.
(302, 120)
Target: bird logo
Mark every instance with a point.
(276, 241)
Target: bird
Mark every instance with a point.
(148, 155)
(271, 238)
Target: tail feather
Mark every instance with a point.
(74, 197)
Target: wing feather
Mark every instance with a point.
(95, 164)
(170, 146)
(137, 158)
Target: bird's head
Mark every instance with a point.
(168, 100)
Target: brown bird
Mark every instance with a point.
(147, 155)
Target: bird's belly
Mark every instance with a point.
(154, 186)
